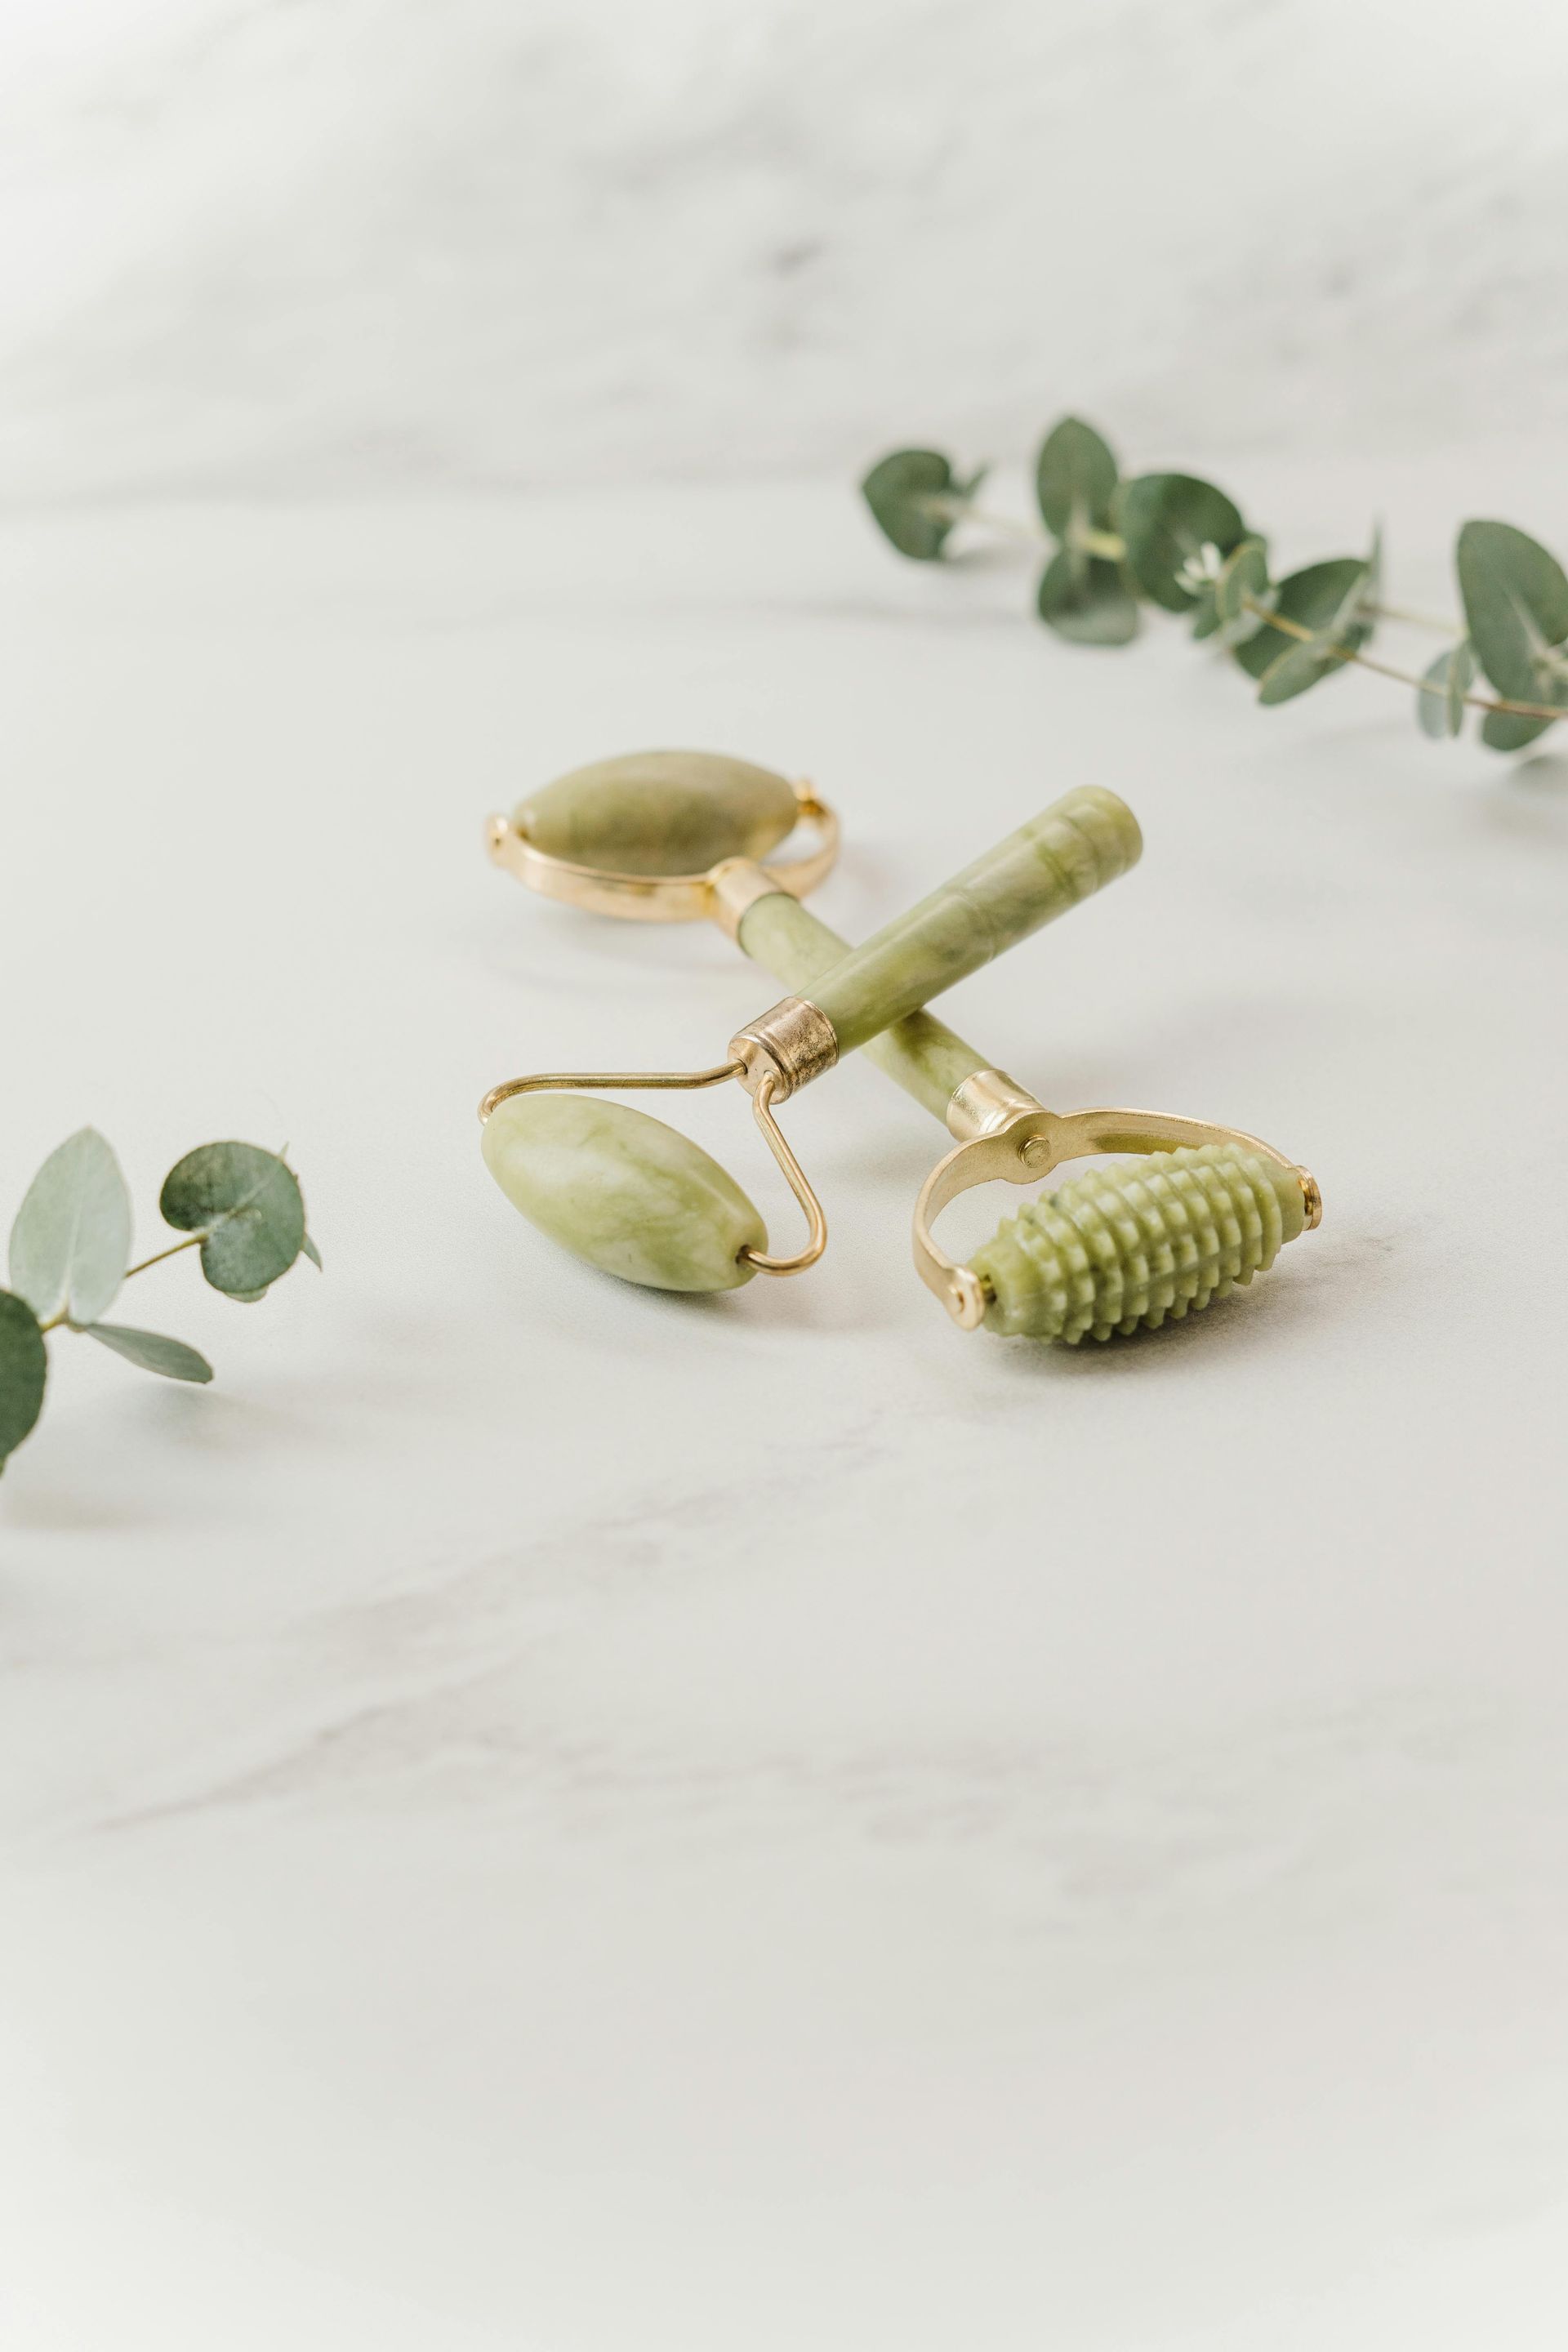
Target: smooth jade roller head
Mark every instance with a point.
(659, 812)
(1139, 1243)
(629, 1195)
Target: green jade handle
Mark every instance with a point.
(1115, 1250)
(871, 993)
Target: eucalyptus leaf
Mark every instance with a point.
(1507, 731)
(1255, 654)
(1209, 620)
(1326, 598)
(1178, 530)
(309, 1247)
(24, 1369)
(1440, 697)
(71, 1242)
(151, 1350)
(1243, 582)
(1086, 598)
(1180, 541)
(1516, 610)
(1293, 671)
(913, 493)
(1205, 610)
(246, 1205)
(1075, 481)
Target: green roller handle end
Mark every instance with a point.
(1139, 1243)
(1053, 863)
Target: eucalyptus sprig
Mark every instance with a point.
(1179, 542)
(70, 1252)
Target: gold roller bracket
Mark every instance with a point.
(1008, 1136)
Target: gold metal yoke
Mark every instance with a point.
(1005, 1135)
(783, 1049)
(721, 895)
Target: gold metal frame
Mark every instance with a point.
(693, 1081)
(1005, 1136)
(816, 1222)
(662, 897)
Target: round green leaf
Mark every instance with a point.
(151, 1350)
(1505, 730)
(1440, 699)
(913, 493)
(1326, 598)
(1085, 597)
(1516, 610)
(1243, 581)
(1206, 612)
(246, 1203)
(23, 1369)
(71, 1242)
(1178, 530)
(1293, 671)
(1075, 480)
(1234, 615)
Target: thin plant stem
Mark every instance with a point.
(1306, 636)
(191, 1241)
(63, 1319)
(1417, 620)
(963, 511)
(1110, 544)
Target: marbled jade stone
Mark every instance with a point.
(1073, 848)
(1139, 1242)
(659, 812)
(623, 1191)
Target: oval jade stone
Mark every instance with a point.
(623, 1191)
(659, 812)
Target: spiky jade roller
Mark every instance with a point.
(1200, 1211)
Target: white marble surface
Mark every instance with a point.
(542, 1816)
(254, 245)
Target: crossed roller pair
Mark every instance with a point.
(672, 837)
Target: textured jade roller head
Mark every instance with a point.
(673, 835)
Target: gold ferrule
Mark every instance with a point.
(733, 889)
(791, 1044)
(985, 1103)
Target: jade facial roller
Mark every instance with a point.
(1203, 1210)
(636, 1197)
(1119, 1248)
